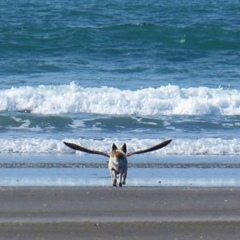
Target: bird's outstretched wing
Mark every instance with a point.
(83, 149)
(154, 148)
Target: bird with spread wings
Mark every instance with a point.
(118, 163)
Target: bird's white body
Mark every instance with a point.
(118, 166)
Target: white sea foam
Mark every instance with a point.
(165, 100)
(203, 146)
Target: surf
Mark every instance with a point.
(164, 100)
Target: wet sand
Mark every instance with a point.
(119, 213)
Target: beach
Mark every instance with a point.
(119, 213)
(98, 73)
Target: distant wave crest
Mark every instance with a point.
(165, 100)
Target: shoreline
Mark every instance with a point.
(137, 177)
(119, 213)
(73, 171)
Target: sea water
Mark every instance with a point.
(102, 72)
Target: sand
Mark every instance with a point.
(119, 213)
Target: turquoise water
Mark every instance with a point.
(120, 44)
(140, 72)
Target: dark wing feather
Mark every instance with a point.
(83, 149)
(154, 148)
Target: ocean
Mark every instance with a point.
(102, 72)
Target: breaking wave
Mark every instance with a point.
(165, 100)
(203, 146)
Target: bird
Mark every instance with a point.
(118, 162)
